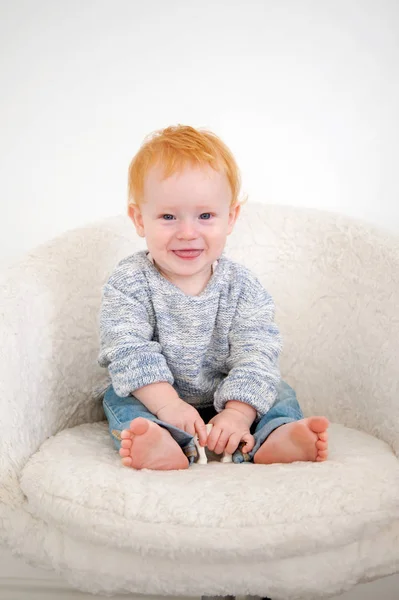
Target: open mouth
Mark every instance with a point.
(187, 254)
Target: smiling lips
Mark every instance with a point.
(187, 254)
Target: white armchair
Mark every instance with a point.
(302, 530)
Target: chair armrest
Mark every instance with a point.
(35, 400)
(335, 283)
(49, 307)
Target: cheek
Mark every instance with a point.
(217, 232)
(161, 233)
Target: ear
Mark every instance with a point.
(134, 213)
(233, 216)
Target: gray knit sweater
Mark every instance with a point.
(220, 345)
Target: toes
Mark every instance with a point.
(127, 462)
(322, 454)
(318, 424)
(323, 436)
(124, 452)
(139, 426)
(126, 443)
(320, 445)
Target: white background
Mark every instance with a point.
(305, 92)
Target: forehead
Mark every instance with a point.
(196, 182)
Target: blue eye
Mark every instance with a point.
(167, 217)
(205, 216)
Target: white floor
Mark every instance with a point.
(19, 581)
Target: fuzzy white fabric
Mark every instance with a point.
(289, 531)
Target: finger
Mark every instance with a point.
(200, 429)
(250, 442)
(222, 441)
(213, 437)
(189, 428)
(232, 444)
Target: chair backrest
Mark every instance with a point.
(335, 283)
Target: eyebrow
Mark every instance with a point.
(203, 208)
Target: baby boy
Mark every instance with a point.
(186, 333)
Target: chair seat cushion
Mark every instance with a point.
(76, 482)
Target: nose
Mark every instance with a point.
(187, 230)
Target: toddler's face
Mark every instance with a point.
(185, 219)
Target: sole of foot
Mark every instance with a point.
(304, 440)
(146, 445)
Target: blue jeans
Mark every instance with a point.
(121, 411)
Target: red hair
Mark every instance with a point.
(177, 147)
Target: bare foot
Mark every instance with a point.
(146, 445)
(305, 440)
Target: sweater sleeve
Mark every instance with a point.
(255, 346)
(126, 345)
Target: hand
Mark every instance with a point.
(185, 417)
(230, 427)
